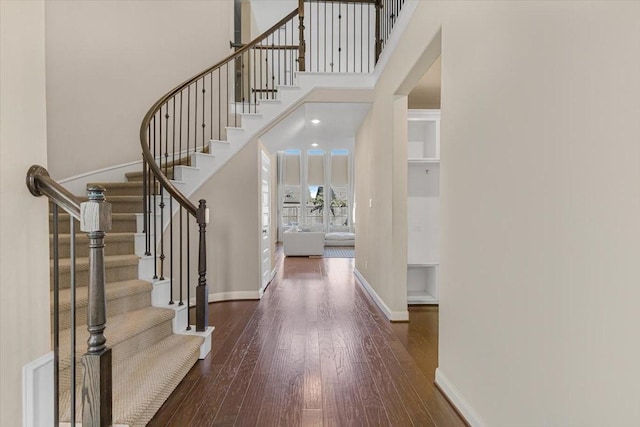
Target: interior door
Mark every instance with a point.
(265, 179)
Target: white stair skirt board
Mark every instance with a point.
(394, 316)
(77, 184)
(228, 296)
(454, 395)
(37, 392)
(205, 347)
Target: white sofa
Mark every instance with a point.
(340, 238)
(303, 243)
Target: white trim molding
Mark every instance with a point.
(37, 392)
(455, 397)
(394, 316)
(229, 296)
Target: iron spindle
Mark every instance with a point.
(188, 270)
(211, 105)
(339, 37)
(56, 316)
(219, 105)
(181, 272)
(152, 200)
(346, 32)
(195, 119)
(325, 37)
(145, 208)
(188, 117)
(72, 324)
(204, 91)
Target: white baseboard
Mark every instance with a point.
(394, 316)
(77, 184)
(238, 295)
(37, 392)
(454, 395)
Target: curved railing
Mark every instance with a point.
(322, 36)
(183, 122)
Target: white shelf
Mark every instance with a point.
(422, 284)
(420, 160)
(423, 206)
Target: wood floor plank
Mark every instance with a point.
(411, 399)
(312, 372)
(316, 350)
(312, 417)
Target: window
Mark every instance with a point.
(314, 208)
(339, 212)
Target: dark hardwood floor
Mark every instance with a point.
(314, 351)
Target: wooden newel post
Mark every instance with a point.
(202, 293)
(95, 220)
(378, 36)
(302, 47)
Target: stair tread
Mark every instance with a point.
(110, 237)
(115, 216)
(110, 261)
(144, 381)
(119, 328)
(116, 198)
(113, 290)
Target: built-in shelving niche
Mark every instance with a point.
(423, 206)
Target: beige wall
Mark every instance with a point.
(234, 229)
(24, 249)
(108, 61)
(540, 231)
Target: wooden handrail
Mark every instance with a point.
(40, 183)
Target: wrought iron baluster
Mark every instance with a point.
(56, 316)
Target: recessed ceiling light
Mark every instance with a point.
(315, 144)
(315, 121)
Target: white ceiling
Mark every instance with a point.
(338, 125)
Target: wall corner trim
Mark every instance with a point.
(394, 316)
(456, 398)
(37, 392)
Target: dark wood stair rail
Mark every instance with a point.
(95, 219)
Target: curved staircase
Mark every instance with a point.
(218, 112)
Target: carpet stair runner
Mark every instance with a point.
(148, 359)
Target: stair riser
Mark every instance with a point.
(117, 225)
(119, 353)
(125, 189)
(127, 206)
(82, 247)
(137, 176)
(114, 307)
(112, 274)
(123, 206)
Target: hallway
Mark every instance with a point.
(314, 351)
